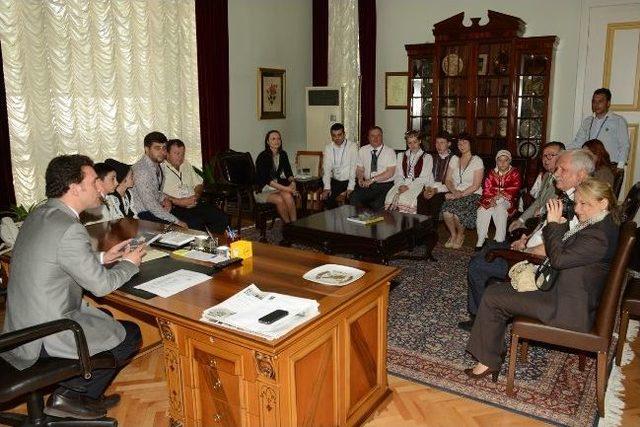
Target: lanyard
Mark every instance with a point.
(344, 148)
(179, 176)
(599, 129)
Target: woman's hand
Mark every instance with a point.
(403, 188)
(554, 210)
(449, 196)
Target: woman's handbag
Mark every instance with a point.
(546, 275)
(527, 277)
(522, 276)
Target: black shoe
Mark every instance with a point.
(466, 325)
(108, 402)
(73, 407)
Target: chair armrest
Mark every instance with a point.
(513, 257)
(17, 338)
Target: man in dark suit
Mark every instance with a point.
(53, 263)
(572, 167)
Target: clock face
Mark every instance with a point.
(452, 65)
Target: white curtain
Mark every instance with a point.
(94, 77)
(344, 60)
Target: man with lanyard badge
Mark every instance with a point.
(339, 167)
(375, 168)
(609, 128)
(183, 187)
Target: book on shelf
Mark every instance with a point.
(365, 218)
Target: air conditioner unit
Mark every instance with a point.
(324, 108)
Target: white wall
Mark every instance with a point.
(403, 22)
(270, 34)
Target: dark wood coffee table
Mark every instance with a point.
(333, 234)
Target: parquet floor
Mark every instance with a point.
(145, 402)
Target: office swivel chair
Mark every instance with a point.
(47, 372)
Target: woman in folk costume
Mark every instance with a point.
(499, 198)
(413, 172)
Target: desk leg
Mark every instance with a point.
(172, 367)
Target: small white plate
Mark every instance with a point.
(333, 274)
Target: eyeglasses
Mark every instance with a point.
(550, 156)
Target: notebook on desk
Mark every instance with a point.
(156, 268)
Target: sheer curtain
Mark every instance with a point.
(93, 77)
(344, 60)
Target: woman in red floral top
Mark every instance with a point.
(499, 198)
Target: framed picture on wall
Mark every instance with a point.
(271, 93)
(396, 88)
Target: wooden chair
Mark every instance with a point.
(629, 207)
(598, 340)
(311, 160)
(235, 175)
(630, 307)
(618, 178)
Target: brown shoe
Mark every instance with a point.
(73, 407)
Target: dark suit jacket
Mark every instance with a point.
(264, 168)
(583, 261)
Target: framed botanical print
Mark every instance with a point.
(271, 93)
(396, 89)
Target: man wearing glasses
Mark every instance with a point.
(547, 188)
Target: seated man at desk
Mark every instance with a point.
(183, 187)
(53, 263)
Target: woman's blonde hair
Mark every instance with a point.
(594, 189)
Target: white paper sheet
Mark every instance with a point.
(172, 283)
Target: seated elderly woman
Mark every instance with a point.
(413, 173)
(581, 255)
(464, 181)
(499, 198)
(604, 171)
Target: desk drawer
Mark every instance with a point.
(217, 413)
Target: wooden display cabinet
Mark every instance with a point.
(486, 80)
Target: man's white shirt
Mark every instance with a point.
(339, 162)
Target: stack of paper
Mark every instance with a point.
(172, 283)
(242, 311)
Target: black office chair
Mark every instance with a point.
(47, 372)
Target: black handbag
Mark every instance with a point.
(546, 275)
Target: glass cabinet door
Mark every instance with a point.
(531, 103)
(421, 100)
(453, 88)
(492, 96)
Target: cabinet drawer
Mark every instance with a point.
(217, 413)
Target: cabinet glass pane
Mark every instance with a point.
(531, 64)
(530, 128)
(531, 86)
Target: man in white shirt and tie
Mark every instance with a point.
(609, 128)
(375, 169)
(339, 166)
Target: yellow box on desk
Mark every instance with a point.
(242, 249)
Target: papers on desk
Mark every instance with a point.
(153, 254)
(200, 255)
(176, 238)
(242, 311)
(172, 283)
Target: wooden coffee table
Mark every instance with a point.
(333, 234)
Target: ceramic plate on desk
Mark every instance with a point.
(333, 275)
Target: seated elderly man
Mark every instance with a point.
(572, 167)
(183, 187)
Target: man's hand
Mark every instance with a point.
(450, 196)
(325, 194)
(403, 188)
(116, 252)
(554, 210)
(515, 225)
(135, 255)
(348, 193)
(166, 204)
(181, 224)
(361, 182)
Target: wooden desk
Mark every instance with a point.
(330, 371)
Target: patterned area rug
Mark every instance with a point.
(426, 346)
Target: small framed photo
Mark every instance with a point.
(483, 60)
(396, 90)
(271, 93)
